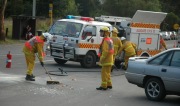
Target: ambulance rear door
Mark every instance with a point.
(145, 29)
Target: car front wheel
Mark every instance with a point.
(60, 61)
(89, 60)
(154, 89)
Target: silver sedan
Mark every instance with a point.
(158, 75)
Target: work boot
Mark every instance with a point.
(124, 68)
(29, 78)
(112, 68)
(101, 88)
(109, 87)
(32, 76)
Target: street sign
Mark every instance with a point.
(176, 26)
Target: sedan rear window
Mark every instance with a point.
(176, 59)
(167, 60)
(157, 61)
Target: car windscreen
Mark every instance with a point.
(64, 28)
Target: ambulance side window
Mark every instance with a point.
(89, 31)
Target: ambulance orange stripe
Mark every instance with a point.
(86, 45)
(151, 52)
(145, 25)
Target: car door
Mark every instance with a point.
(170, 71)
(152, 67)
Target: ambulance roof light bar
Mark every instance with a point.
(79, 18)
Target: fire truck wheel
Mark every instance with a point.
(60, 61)
(89, 60)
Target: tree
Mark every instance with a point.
(127, 8)
(90, 8)
(2, 9)
(71, 8)
(169, 22)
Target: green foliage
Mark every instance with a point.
(90, 8)
(127, 8)
(71, 8)
(94, 8)
(170, 20)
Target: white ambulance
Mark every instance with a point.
(114, 20)
(144, 31)
(76, 39)
(177, 42)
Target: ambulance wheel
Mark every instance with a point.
(60, 61)
(89, 60)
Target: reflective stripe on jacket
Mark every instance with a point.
(117, 44)
(162, 44)
(107, 51)
(34, 45)
(129, 48)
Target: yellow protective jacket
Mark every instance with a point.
(35, 45)
(129, 48)
(116, 43)
(106, 52)
(162, 44)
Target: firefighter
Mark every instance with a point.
(106, 52)
(130, 50)
(32, 46)
(162, 43)
(116, 43)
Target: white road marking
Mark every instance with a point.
(45, 61)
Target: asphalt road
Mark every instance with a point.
(76, 89)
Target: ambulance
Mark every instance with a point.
(144, 31)
(114, 20)
(76, 39)
(177, 41)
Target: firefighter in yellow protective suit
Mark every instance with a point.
(162, 44)
(116, 43)
(32, 46)
(130, 50)
(106, 52)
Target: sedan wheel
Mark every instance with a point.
(154, 89)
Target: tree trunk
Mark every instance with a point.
(2, 9)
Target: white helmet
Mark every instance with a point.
(47, 35)
(123, 38)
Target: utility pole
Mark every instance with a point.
(34, 8)
(51, 11)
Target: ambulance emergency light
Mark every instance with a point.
(79, 18)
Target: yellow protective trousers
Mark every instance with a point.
(126, 59)
(106, 76)
(30, 61)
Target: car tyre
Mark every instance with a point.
(60, 61)
(154, 89)
(89, 60)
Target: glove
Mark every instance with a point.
(42, 64)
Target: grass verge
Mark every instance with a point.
(11, 41)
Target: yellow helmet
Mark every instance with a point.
(105, 29)
(115, 30)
